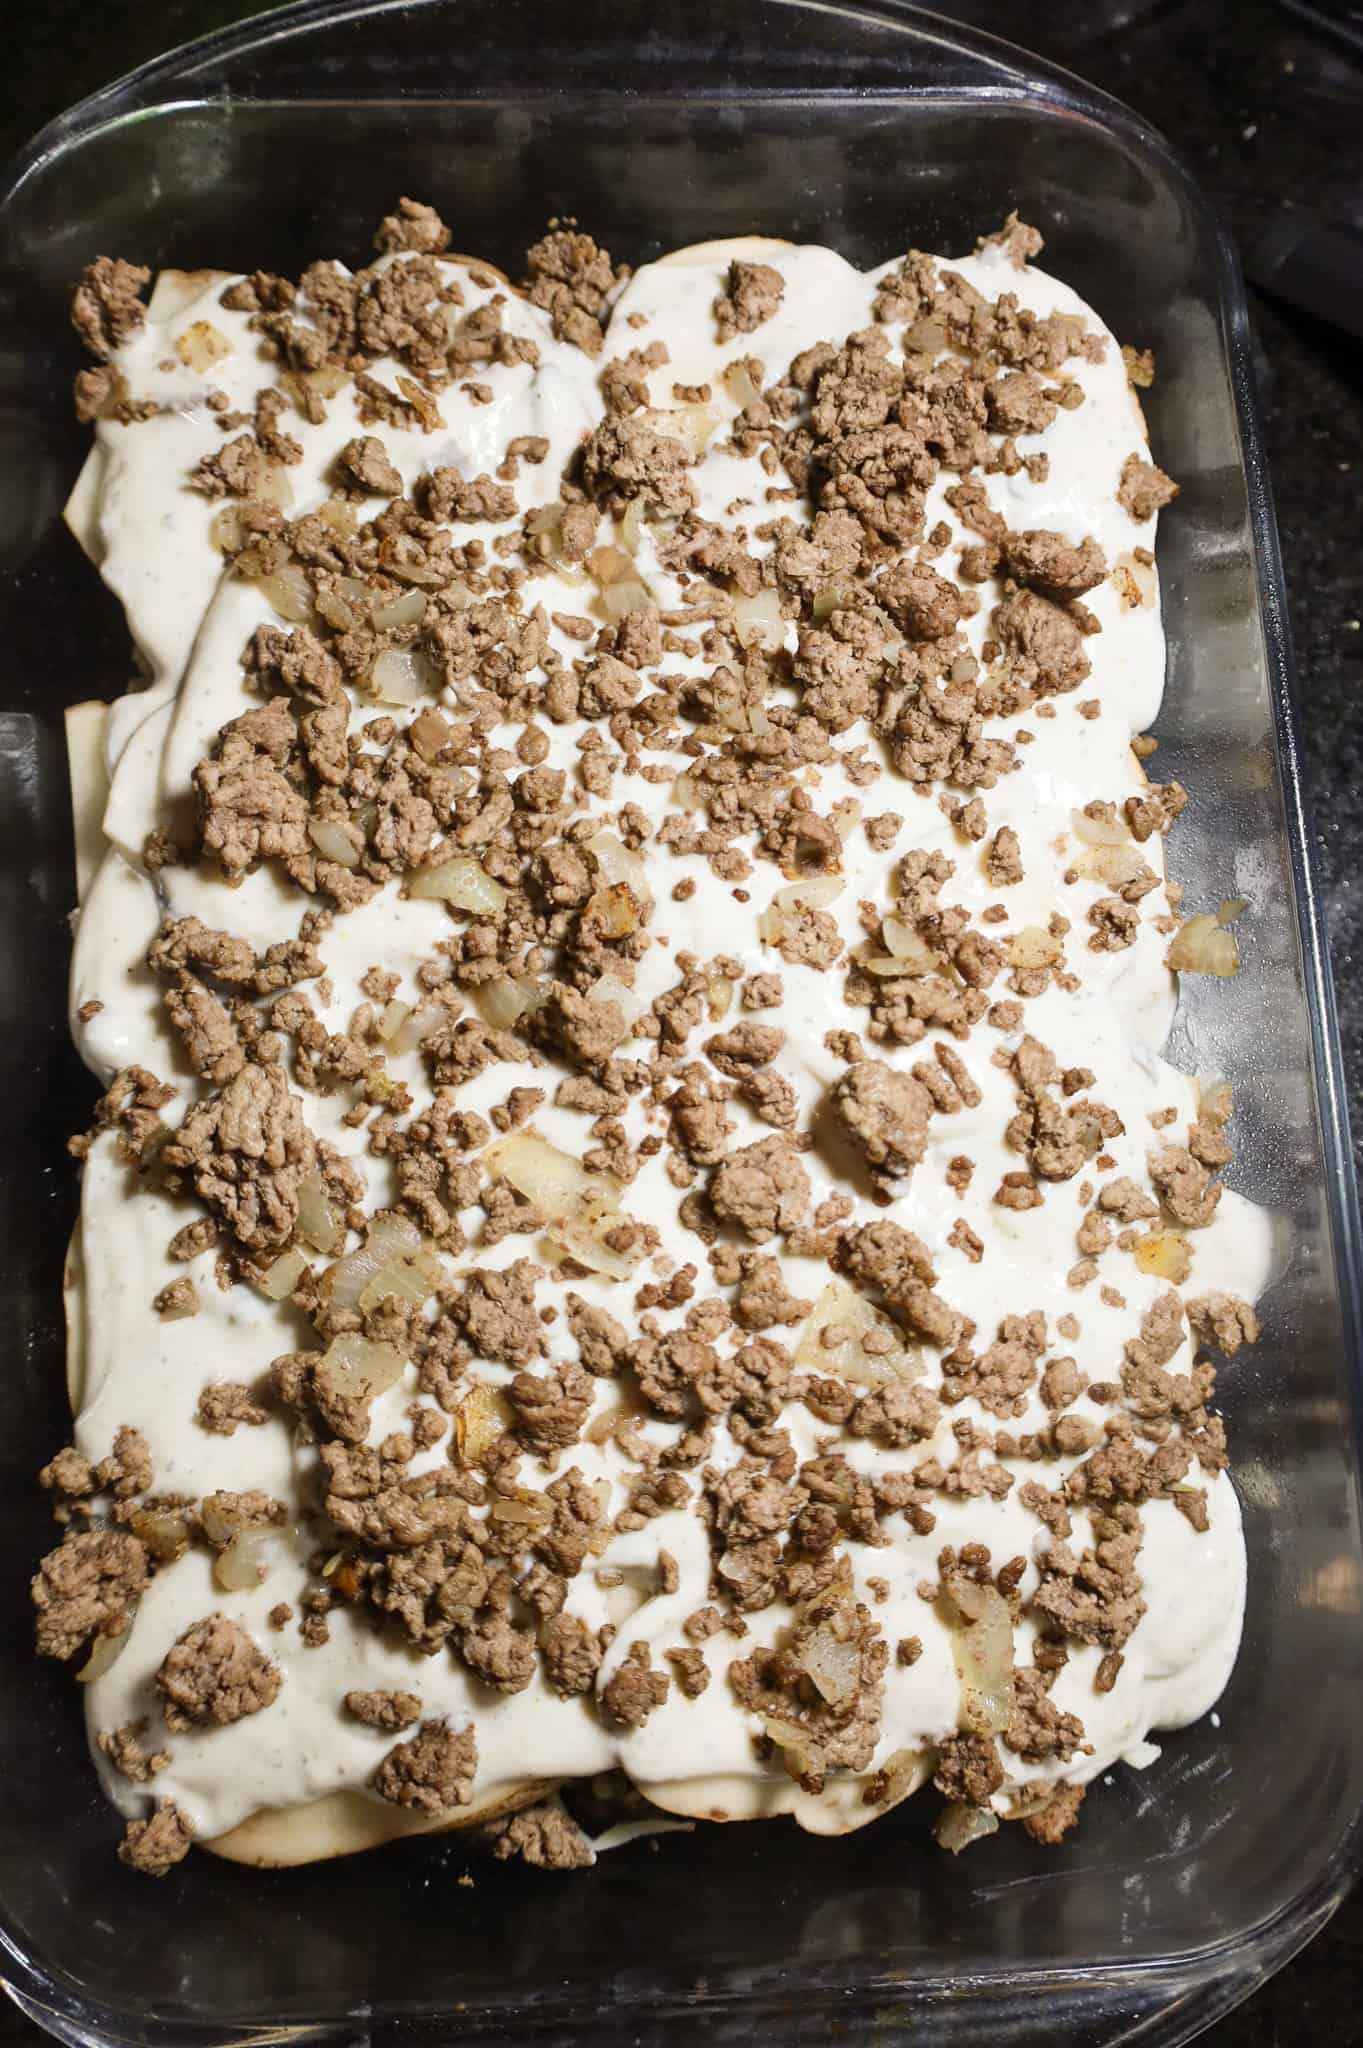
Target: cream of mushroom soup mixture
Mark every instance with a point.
(637, 1226)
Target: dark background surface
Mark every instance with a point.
(1267, 108)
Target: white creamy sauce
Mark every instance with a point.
(190, 622)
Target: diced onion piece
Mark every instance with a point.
(719, 993)
(1021, 1801)
(544, 527)
(418, 1027)
(608, 988)
(738, 382)
(690, 424)
(834, 596)
(1202, 946)
(800, 896)
(630, 594)
(412, 1276)
(609, 566)
(340, 517)
(221, 1516)
(901, 1773)
(224, 529)
(289, 592)
(1114, 866)
(960, 1825)
(338, 613)
(407, 610)
(982, 1643)
(460, 881)
(553, 1180)
(832, 1664)
(523, 1508)
(240, 1567)
(201, 345)
(1233, 907)
(279, 1280)
(617, 863)
(358, 1369)
(105, 1651)
(318, 1222)
(579, 1207)
(335, 841)
(401, 675)
(1134, 579)
(584, 1235)
(503, 1001)
(603, 1426)
(1165, 1255)
(357, 594)
(389, 1236)
(403, 556)
(848, 1338)
(794, 1743)
(632, 526)
(326, 380)
(1102, 830)
(1034, 947)
(481, 1417)
(758, 621)
(810, 895)
(912, 954)
(614, 912)
(165, 1535)
(274, 487)
(395, 1015)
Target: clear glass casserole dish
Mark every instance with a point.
(871, 129)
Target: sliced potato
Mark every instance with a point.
(81, 511)
(729, 249)
(73, 1303)
(85, 729)
(346, 1823)
(176, 289)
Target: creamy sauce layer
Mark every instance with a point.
(150, 535)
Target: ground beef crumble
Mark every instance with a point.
(106, 306)
(969, 1769)
(762, 1189)
(156, 1845)
(432, 1773)
(127, 1752)
(885, 1113)
(545, 1836)
(87, 1586)
(573, 279)
(1143, 489)
(386, 1710)
(214, 1675)
(753, 294)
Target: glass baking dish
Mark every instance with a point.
(659, 122)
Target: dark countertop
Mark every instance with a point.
(1267, 109)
